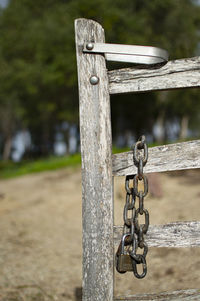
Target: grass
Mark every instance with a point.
(10, 169)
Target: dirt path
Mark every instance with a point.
(40, 243)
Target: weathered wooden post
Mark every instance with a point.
(96, 149)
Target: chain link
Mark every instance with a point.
(133, 230)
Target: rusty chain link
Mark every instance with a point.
(133, 232)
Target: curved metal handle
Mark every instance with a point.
(128, 53)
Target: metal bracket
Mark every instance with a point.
(128, 53)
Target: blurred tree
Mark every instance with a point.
(38, 66)
(179, 33)
(185, 105)
(38, 45)
(172, 25)
(11, 110)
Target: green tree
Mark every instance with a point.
(38, 66)
(38, 45)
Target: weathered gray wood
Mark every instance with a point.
(178, 156)
(181, 295)
(97, 190)
(184, 73)
(178, 235)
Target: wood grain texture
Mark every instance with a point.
(184, 73)
(178, 235)
(180, 295)
(97, 188)
(178, 156)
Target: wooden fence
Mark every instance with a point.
(99, 165)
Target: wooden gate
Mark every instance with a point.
(99, 165)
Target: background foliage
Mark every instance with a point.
(38, 79)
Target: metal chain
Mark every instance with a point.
(129, 212)
(133, 230)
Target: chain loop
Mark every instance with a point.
(129, 190)
(144, 267)
(140, 169)
(129, 205)
(140, 144)
(144, 226)
(136, 184)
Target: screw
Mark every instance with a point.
(89, 46)
(94, 80)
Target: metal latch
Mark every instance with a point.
(128, 53)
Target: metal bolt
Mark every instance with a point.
(94, 80)
(89, 46)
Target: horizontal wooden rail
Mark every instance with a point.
(182, 295)
(176, 235)
(184, 73)
(178, 156)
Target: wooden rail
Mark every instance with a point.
(184, 73)
(182, 295)
(178, 235)
(183, 155)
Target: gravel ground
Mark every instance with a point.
(40, 242)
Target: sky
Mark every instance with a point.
(196, 2)
(3, 3)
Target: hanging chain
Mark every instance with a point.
(133, 232)
(140, 156)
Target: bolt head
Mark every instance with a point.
(89, 46)
(94, 80)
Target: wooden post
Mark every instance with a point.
(96, 144)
